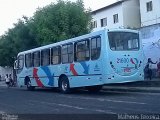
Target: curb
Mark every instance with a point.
(131, 89)
(150, 86)
(145, 86)
(145, 83)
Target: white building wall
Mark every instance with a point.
(131, 14)
(109, 14)
(151, 17)
(128, 12)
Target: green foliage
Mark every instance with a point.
(53, 23)
(15, 40)
(61, 21)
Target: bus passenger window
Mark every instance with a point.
(28, 60)
(56, 55)
(82, 51)
(36, 59)
(95, 48)
(45, 57)
(123, 41)
(67, 53)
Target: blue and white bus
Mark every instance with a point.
(90, 61)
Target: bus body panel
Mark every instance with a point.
(82, 74)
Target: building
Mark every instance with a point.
(150, 12)
(150, 28)
(141, 14)
(122, 14)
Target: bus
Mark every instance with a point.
(88, 61)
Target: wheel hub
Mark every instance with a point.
(64, 86)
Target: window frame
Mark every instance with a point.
(98, 49)
(115, 18)
(18, 59)
(42, 59)
(111, 42)
(149, 6)
(59, 55)
(94, 24)
(76, 52)
(37, 65)
(104, 22)
(68, 53)
(26, 60)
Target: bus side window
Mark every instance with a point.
(67, 53)
(45, 57)
(36, 59)
(95, 48)
(82, 52)
(28, 60)
(56, 55)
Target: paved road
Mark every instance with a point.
(47, 101)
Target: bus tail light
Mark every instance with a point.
(140, 64)
(112, 65)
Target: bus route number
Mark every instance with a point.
(122, 60)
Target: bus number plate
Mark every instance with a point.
(127, 70)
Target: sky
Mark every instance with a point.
(12, 10)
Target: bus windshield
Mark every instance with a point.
(123, 41)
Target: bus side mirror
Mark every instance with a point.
(16, 65)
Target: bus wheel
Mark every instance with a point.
(64, 85)
(96, 88)
(29, 86)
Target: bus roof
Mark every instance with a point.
(94, 33)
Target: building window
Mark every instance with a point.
(115, 18)
(149, 6)
(103, 22)
(56, 55)
(82, 49)
(67, 53)
(94, 24)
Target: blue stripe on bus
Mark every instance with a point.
(49, 75)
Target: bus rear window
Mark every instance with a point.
(123, 41)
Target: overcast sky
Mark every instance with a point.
(12, 10)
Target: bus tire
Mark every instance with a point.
(29, 86)
(96, 88)
(64, 85)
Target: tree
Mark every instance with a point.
(57, 22)
(15, 40)
(53, 23)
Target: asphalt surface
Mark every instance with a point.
(43, 103)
